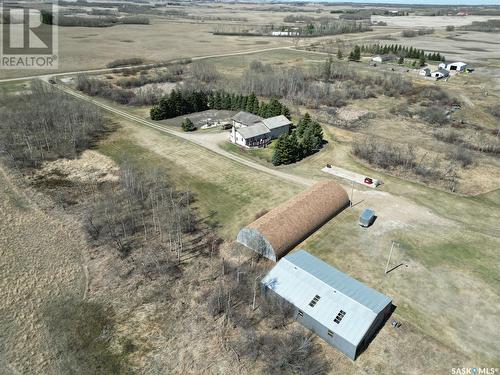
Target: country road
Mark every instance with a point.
(104, 70)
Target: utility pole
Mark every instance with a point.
(352, 193)
(390, 254)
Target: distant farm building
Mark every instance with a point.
(456, 66)
(426, 72)
(250, 130)
(341, 310)
(440, 73)
(276, 233)
(384, 58)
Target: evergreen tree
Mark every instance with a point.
(218, 100)
(355, 54)
(401, 60)
(279, 149)
(303, 125)
(421, 60)
(255, 108)
(187, 125)
(226, 102)
(250, 102)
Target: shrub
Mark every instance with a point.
(460, 155)
(188, 126)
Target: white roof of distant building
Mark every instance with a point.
(276, 122)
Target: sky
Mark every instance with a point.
(440, 2)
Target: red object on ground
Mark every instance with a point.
(368, 180)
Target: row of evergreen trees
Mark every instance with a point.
(401, 51)
(179, 103)
(248, 103)
(303, 141)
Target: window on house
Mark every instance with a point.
(330, 333)
(314, 301)
(301, 313)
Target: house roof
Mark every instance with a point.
(254, 130)
(442, 71)
(299, 277)
(276, 122)
(246, 118)
(458, 63)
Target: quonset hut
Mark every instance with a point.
(277, 232)
(341, 310)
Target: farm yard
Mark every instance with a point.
(131, 228)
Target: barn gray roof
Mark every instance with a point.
(246, 118)
(254, 130)
(276, 122)
(442, 71)
(299, 277)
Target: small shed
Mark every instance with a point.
(440, 73)
(344, 312)
(276, 233)
(383, 58)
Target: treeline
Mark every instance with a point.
(489, 26)
(401, 51)
(45, 124)
(410, 33)
(145, 79)
(125, 62)
(97, 87)
(182, 102)
(303, 141)
(99, 21)
(332, 27)
(248, 103)
(179, 103)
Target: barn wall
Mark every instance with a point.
(275, 133)
(320, 330)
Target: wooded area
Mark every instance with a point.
(45, 124)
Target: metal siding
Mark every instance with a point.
(293, 281)
(345, 284)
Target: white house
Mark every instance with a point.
(440, 73)
(456, 66)
(250, 130)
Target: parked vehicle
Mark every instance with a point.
(368, 180)
(367, 218)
